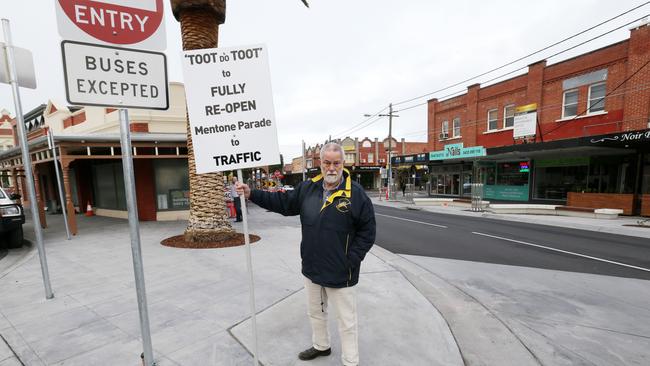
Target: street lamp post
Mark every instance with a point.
(390, 116)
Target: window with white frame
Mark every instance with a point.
(492, 120)
(366, 143)
(445, 130)
(570, 104)
(371, 157)
(456, 127)
(509, 116)
(596, 98)
(349, 158)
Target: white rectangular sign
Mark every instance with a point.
(230, 107)
(24, 67)
(114, 77)
(525, 125)
(138, 24)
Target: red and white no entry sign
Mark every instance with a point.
(127, 23)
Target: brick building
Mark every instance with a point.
(364, 158)
(589, 142)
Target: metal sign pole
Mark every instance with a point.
(249, 264)
(50, 143)
(27, 161)
(134, 226)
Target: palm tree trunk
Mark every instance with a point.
(208, 220)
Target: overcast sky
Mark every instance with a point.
(339, 59)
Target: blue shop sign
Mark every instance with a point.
(457, 151)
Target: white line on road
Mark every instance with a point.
(417, 222)
(564, 251)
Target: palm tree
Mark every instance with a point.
(208, 220)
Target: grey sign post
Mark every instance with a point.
(134, 225)
(83, 47)
(51, 146)
(249, 265)
(27, 161)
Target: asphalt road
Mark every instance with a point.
(513, 243)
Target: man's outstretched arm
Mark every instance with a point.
(284, 203)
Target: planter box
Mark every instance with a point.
(623, 202)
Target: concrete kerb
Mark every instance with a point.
(481, 336)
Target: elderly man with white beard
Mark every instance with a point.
(338, 229)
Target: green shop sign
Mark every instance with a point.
(457, 151)
(510, 193)
(560, 162)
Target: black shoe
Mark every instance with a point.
(312, 353)
(238, 220)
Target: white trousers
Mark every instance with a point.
(344, 301)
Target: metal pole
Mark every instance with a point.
(50, 142)
(27, 161)
(249, 264)
(134, 226)
(390, 149)
(304, 161)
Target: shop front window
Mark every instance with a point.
(612, 174)
(645, 189)
(172, 184)
(510, 174)
(108, 184)
(505, 180)
(554, 182)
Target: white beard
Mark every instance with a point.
(332, 178)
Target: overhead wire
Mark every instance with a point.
(524, 67)
(370, 121)
(526, 56)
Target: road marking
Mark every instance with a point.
(417, 222)
(564, 251)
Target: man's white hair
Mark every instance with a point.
(332, 146)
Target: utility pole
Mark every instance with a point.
(304, 161)
(390, 116)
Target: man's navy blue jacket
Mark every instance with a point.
(336, 234)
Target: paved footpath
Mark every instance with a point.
(413, 310)
(198, 302)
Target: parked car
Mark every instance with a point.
(12, 218)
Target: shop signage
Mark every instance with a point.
(560, 162)
(510, 193)
(410, 158)
(368, 168)
(127, 23)
(231, 112)
(525, 121)
(457, 151)
(112, 76)
(524, 167)
(637, 136)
